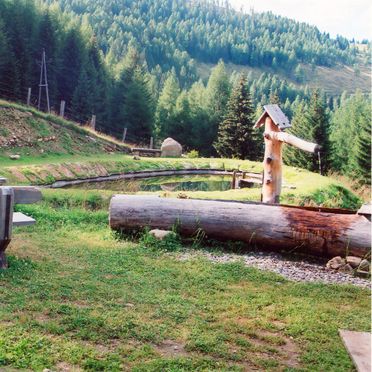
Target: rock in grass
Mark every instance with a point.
(353, 261)
(161, 234)
(362, 274)
(171, 148)
(346, 269)
(335, 263)
(14, 157)
(364, 265)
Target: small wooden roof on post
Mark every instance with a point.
(276, 122)
(276, 115)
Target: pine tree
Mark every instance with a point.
(131, 101)
(318, 123)
(363, 153)
(166, 108)
(347, 121)
(236, 137)
(72, 58)
(312, 124)
(139, 106)
(218, 93)
(82, 106)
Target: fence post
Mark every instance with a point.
(62, 109)
(28, 96)
(93, 122)
(124, 134)
(151, 142)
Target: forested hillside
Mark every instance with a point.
(172, 31)
(135, 65)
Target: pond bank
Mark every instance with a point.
(147, 174)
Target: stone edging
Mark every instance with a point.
(144, 174)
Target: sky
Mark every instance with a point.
(349, 18)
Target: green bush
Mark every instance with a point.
(193, 154)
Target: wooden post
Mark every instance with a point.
(28, 96)
(93, 122)
(124, 134)
(6, 222)
(275, 122)
(233, 181)
(9, 196)
(62, 109)
(272, 179)
(151, 142)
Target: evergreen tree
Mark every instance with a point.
(218, 93)
(72, 58)
(346, 121)
(363, 153)
(318, 123)
(236, 137)
(82, 105)
(166, 109)
(312, 124)
(139, 106)
(131, 102)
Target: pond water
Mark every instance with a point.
(166, 183)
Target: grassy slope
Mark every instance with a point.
(333, 80)
(32, 134)
(76, 296)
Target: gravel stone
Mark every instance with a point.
(298, 269)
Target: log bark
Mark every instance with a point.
(294, 141)
(272, 179)
(269, 226)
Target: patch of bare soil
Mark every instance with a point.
(65, 367)
(274, 345)
(170, 348)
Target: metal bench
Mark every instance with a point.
(9, 196)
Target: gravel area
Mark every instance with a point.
(298, 270)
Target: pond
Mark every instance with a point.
(165, 183)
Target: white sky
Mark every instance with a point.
(349, 18)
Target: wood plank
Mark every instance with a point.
(278, 116)
(26, 194)
(20, 219)
(358, 345)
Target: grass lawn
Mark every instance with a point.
(76, 296)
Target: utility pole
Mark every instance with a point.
(43, 82)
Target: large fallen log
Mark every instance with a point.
(270, 226)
